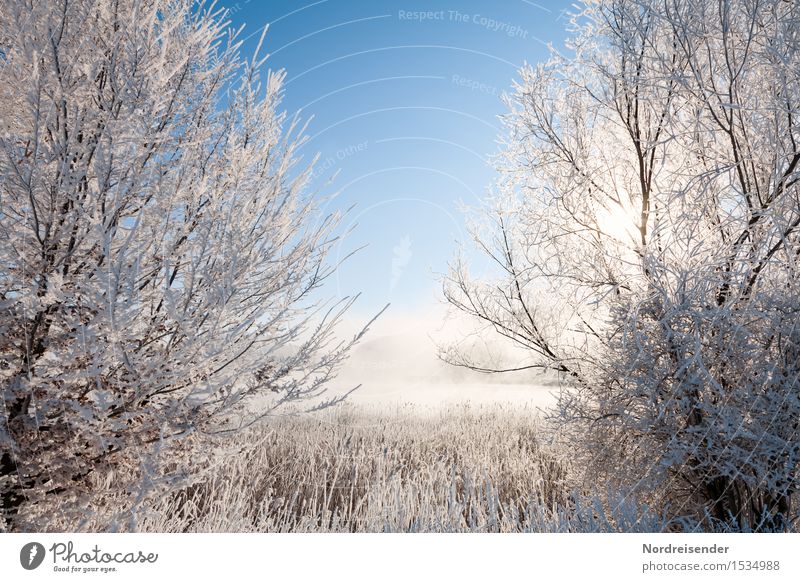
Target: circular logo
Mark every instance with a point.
(31, 555)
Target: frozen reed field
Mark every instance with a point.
(463, 468)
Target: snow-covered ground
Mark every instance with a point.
(439, 393)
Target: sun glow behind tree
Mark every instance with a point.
(646, 229)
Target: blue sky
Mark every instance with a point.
(405, 98)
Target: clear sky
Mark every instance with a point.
(405, 98)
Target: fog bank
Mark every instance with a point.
(397, 362)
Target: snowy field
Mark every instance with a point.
(360, 468)
(438, 394)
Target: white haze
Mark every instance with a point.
(397, 363)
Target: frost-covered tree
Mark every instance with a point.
(159, 247)
(646, 236)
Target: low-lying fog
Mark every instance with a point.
(397, 363)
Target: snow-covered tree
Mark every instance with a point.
(646, 236)
(159, 248)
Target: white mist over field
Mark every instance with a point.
(397, 363)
